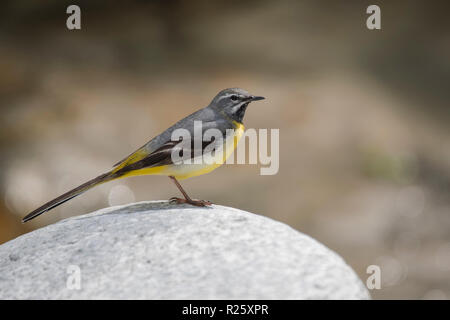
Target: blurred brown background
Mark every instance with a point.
(363, 117)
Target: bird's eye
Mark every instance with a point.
(234, 97)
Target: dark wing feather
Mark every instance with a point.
(163, 155)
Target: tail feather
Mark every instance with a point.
(70, 195)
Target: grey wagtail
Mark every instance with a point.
(226, 111)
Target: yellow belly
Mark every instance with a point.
(184, 171)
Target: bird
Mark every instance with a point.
(225, 114)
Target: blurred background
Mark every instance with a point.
(363, 117)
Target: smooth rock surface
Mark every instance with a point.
(155, 250)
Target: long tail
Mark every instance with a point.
(71, 194)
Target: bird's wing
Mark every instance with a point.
(207, 116)
(163, 155)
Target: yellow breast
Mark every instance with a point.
(184, 171)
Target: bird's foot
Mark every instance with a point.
(194, 202)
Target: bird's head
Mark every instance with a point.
(233, 102)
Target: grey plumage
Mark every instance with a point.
(218, 114)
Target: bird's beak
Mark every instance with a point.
(256, 98)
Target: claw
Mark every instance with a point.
(195, 202)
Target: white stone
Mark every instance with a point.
(156, 250)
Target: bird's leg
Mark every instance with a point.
(187, 199)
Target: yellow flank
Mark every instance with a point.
(184, 171)
(132, 158)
